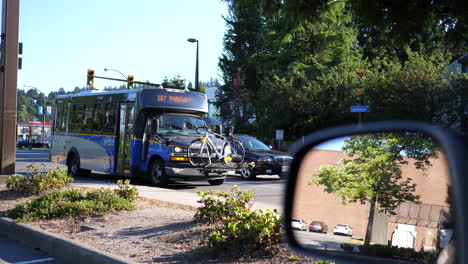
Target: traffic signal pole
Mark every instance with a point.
(123, 80)
(8, 85)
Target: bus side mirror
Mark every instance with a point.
(154, 126)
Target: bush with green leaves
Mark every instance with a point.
(126, 190)
(218, 205)
(71, 203)
(237, 227)
(36, 182)
(347, 247)
(398, 253)
(249, 231)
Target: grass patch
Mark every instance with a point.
(71, 203)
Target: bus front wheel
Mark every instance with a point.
(157, 174)
(73, 166)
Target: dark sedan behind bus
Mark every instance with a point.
(266, 160)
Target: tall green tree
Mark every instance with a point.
(398, 21)
(177, 82)
(236, 98)
(308, 71)
(372, 172)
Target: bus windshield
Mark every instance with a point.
(179, 124)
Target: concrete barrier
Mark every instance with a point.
(63, 249)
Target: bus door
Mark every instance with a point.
(125, 137)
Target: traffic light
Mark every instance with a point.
(90, 79)
(130, 82)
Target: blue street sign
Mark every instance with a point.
(357, 109)
(39, 110)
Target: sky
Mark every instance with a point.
(145, 38)
(333, 144)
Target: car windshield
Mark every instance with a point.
(296, 220)
(251, 143)
(179, 124)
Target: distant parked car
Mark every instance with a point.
(21, 143)
(298, 224)
(343, 229)
(317, 226)
(266, 160)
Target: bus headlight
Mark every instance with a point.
(179, 149)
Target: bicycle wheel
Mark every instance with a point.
(198, 155)
(234, 153)
(240, 152)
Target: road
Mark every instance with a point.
(268, 189)
(13, 252)
(323, 241)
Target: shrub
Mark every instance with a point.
(218, 205)
(126, 190)
(35, 182)
(347, 247)
(398, 253)
(71, 203)
(250, 231)
(239, 227)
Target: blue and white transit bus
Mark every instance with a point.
(136, 133)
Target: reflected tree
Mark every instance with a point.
(372, 172)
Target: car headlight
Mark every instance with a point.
(265, 160)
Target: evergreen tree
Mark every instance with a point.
(235, 98)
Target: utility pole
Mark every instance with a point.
(8, 84)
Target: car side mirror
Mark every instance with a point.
(385, 190)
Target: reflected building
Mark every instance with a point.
(313, 203)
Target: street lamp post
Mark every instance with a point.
(43, 114)
(116, 71)
(192, 40)
(106, 70)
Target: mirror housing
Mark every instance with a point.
(452, 144)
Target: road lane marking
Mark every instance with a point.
(35, 261)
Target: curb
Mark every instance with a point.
(64, 249)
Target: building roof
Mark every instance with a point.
(463, 59)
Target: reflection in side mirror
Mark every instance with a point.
(372, 194)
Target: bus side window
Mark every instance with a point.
(99, 118)
(88, 118)
(77, 117)
(110, 122)
(59, 117)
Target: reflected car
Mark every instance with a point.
(298, 224)
(266, 160)
(343, 229)
(318, 226)
(21, 143)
